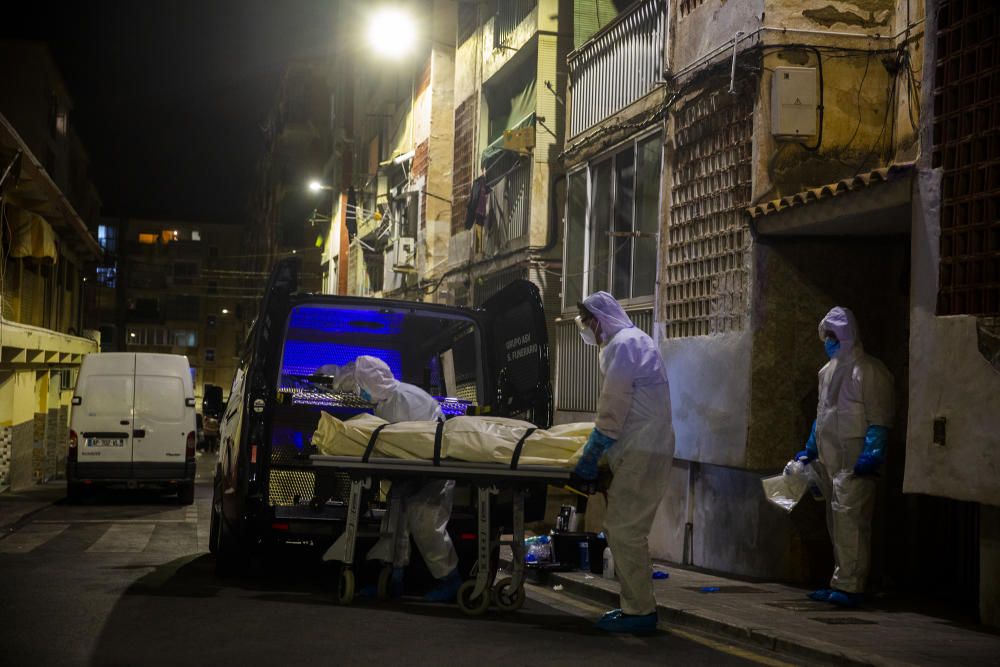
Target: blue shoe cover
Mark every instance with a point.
(446, 589)
(822, 595)
(842, 599)
(635, 625)
(614, 613)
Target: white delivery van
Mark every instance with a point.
(133, 423)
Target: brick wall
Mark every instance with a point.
(464, 162)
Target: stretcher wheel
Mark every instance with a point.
(468, 604)
(345, 587)
(506, 597)
(384, 583)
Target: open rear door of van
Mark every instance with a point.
(163, 416)
(103, 417)
(517, 344)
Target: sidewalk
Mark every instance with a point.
(16, 506)
(781, 618)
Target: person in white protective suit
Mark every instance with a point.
(634, 429)
(846, 447)
(423, 508)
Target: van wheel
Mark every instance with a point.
(222, 542)
(185, 494)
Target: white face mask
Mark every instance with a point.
(586, 333)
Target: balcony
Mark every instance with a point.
(620, 64)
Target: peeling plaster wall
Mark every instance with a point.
(949, 379)
(711, 26)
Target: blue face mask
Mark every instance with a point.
(831, 346)
(365, 395)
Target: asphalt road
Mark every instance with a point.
(125, 579)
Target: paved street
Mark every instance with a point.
(125, 579)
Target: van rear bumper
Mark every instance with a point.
(152, 473)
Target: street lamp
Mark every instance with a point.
(225, 311)
(392, 32)
(316, 186)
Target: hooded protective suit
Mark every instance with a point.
(633, 409)
(421, 509)
(855, 393)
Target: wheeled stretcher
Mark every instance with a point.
(489, 479)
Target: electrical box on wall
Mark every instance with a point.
(793, 102)
(405, 254)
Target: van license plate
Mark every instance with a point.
(105, 442)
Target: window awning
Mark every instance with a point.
(32, 235)
(872, 204)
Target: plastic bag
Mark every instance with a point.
(539, 549)
(787, 489)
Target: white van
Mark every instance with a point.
(133, 424)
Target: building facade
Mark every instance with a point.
(177, 288)
(48, 206)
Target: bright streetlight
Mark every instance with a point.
(225, 311)
(316, 186)
(392, 32)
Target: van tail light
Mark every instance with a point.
(189, 448)
(74, 442)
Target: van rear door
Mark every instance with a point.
(103, 417)
(163, 417)
(517, 345)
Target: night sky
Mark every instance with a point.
(170, 94)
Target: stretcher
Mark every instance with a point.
(489, 479)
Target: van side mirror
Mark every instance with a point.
(189, 402)
(77, 400)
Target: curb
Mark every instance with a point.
(792, 645)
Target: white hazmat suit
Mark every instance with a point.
(855, 392)
(423, 508)
(633, 409)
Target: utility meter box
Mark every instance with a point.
(406, 255)
(793, 102)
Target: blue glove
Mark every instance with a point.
(810, 452)
(597, 445)
(873, 455)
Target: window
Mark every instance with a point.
(210, 354)
(149, 239)
(185, 338)
(196, 236)
(106, 276)
(185, 272)
(107, 237)
(612, 220)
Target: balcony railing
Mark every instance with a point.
(620, 64)
(509, 219)
(509, 15)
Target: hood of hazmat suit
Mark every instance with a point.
(855, 393)
(395, 401)
(634, 409)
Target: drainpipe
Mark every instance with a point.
(688, 554)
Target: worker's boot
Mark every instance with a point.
(446, 588)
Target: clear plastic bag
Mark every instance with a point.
(787, 489)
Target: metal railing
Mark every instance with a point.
(509, 15)
(508, 228)
(620, 64)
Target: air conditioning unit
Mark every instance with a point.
(406, 253)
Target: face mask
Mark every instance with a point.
(586, 333)
(365, 395)
(831, 346)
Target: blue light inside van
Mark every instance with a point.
(345, 321)
(304, 357)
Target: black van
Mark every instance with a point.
(491, 360)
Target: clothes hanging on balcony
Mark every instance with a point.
(32, 235)
(475, 214)
(497, 217)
